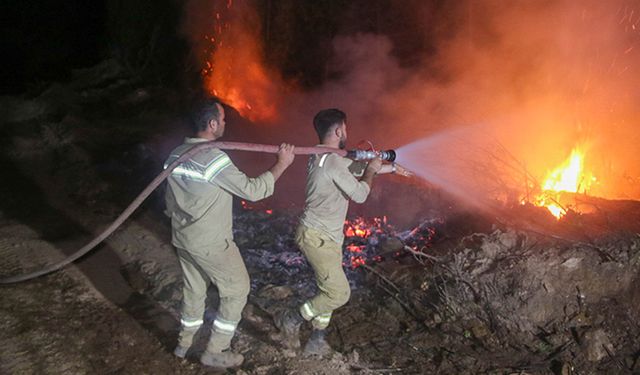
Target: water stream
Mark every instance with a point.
(464, 162)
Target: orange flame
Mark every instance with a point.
(234, 70)
(568, 177)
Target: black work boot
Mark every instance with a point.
(317, 344)
(289, 322)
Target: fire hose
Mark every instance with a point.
(388, 155)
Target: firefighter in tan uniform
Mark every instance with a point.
(199, 201)
(332, 181)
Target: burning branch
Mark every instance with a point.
(420, 254)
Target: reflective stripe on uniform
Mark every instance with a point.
(198, 172)
(322, 159)
(224, 326)
(307, 312)
(191, 323)
(323, 318)
(170, 160)
(181, 171)
(216, 166)
(321, 321)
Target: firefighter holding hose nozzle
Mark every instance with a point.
(332, 181)
(199, 201)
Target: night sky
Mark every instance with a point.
(43, 40)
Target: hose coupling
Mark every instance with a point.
(387, 155)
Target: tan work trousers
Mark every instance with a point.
(325, 257)
(222, 265)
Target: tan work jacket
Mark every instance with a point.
(199, 195)
(331, 183)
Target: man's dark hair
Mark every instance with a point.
(326, 119)
(202, 112)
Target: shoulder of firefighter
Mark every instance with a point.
(343, 172)
(196, 183)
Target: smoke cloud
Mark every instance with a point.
(537, 77)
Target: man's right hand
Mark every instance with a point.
(285, 154)
(285, 158)
(372, 168)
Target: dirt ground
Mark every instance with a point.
(62, 325)
(471, 293)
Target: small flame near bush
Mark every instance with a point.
(570, 176)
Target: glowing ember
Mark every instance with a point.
(351, 231)
(256, 206)
(357, 261)
(361, 237)
(355, 248)
(359, 227)
(568, 177)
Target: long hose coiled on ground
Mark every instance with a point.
(151, 187)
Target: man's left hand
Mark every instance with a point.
(374, 165)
